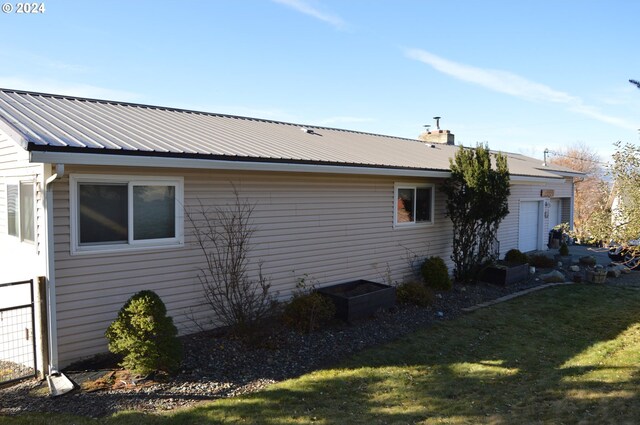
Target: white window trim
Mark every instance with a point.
(412, 224)
(131, 245)
(18, 182)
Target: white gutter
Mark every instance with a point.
(51, 279)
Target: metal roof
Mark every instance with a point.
(56, 123)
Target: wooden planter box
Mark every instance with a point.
(505, 274)
(596, 276)
(359, 299)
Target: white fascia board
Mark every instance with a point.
(160, 162)
(533, 179)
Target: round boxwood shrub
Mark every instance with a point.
(436, 274)
(515, 256)
(414, 292)
(145, 335)
(308, 311)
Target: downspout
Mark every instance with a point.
(51, 278)
(573, 196)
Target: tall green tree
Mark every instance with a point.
(477, 194)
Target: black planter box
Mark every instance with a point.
(505, 274)
(360, 298)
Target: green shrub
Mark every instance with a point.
(515, 256)
(541, 261)
(308, 311)
(564, 249)
(436, 274)
(414, 292)
(145, 336)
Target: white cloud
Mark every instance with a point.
(303, 6)
(70, 89)
(514, 85)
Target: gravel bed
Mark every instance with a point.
(216, 366)
(12, 370)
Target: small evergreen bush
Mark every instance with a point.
(564, 249)
(414, 292)
(541, 261)
(436, 274)
(308, 311)
(515, 256)
(145, 335)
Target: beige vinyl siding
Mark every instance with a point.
(565, 210)
(20, 260)
(508, 231)
(331, 228)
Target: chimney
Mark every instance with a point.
(444, 137)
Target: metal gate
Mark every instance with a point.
(17, 332)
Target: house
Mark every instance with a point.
(93, 194)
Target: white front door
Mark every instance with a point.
(529, 227)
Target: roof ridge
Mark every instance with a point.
(193, 111)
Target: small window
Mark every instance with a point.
(414, 205)
(103, 213)
(20, 211)
(154, 212)
(119, 213)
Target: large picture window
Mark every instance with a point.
(413, 204)
(114, 213)
(20, 211)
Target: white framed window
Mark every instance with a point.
(114, 213)
(21, 221)
(413, 204)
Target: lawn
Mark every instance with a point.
(564, 355)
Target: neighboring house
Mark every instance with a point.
(92, 196)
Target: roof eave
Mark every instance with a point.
(40, 154)
(83, 158)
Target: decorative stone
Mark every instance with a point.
(574, 268)
(554, 276)
(588, 260)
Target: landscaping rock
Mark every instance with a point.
(574, 268)
(615, 270)
(588, 260)
(554, 276)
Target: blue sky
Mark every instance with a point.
(519, 75)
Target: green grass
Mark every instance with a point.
(564, 355)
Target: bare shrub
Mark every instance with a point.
(224, 233)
